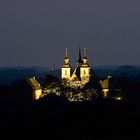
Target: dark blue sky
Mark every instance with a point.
(36, 32)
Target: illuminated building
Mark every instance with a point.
(66, 69)
(110, 87)
(37, 90)
(80, 75)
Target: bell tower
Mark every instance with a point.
(85, 68)
(66, 68)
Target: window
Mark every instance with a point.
(65, 72)
(84, 72)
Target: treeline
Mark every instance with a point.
(10, 74)
(54, 115)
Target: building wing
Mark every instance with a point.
(33, 83)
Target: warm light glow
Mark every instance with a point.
(105, 92)
(73, 77)
(37, 94)
(118, 98)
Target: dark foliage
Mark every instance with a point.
(55, 117)
(48, 80)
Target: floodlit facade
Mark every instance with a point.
(66, 69)
(111, 87)
(37, 90)
(80, 75)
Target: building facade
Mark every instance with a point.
(36, 88)
(111, 88)
(78, 76)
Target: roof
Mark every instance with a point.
(76, 74)
(80, 61)
(66, 63)
(86, 65)
(33, 83)
(66, 66)
(110, 83)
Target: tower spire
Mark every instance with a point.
(80, 61)
(85, 59)
(66, 52)
(79, 53)
(85, 52)
(66, 59)
(66, 69)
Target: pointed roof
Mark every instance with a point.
(80, 53)
(66, 60)
(110, 83)
(66, 53)
(85, 59)
(80, 61)
(85, 53)
(33, 83)
(76, 74)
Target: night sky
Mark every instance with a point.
(36, 32)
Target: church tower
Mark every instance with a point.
(80, 61)
(66, 69)
(85, 68)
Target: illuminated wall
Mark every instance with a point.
(85, 74)
(65, 73)
(37, 94)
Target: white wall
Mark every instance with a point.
(85, 74)
(66, 73)
(37, 94)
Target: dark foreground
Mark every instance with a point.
(54, 117)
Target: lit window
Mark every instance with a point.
(65, 72)
(84, 72)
